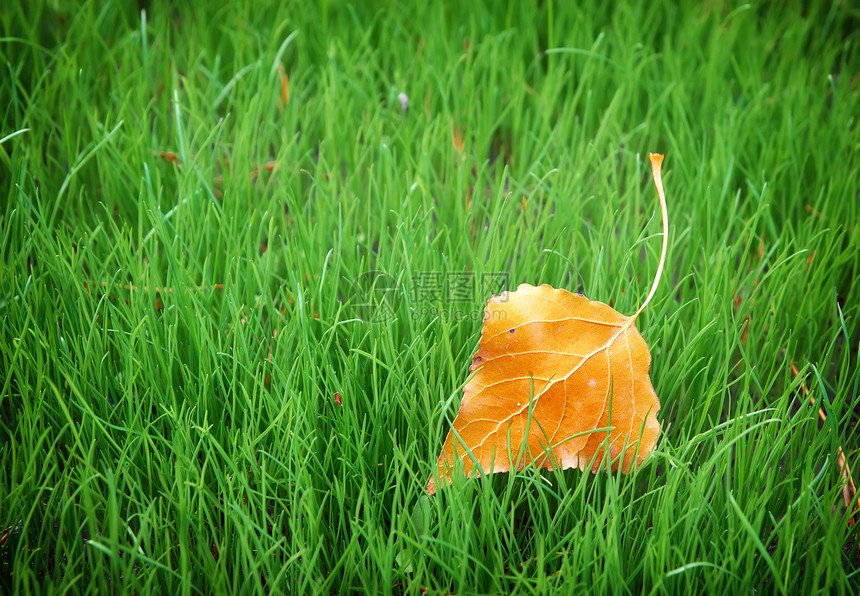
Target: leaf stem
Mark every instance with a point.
(656, 167)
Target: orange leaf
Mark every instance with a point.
(285, 85)
(171, 157)
(560, 379)
(457, 139)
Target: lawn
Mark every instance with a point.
(245, 252)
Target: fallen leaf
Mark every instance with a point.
(285, 86)
(457, 140)
(849, 490)
(171, 157)
(559, 379)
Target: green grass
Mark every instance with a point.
(188, 441)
